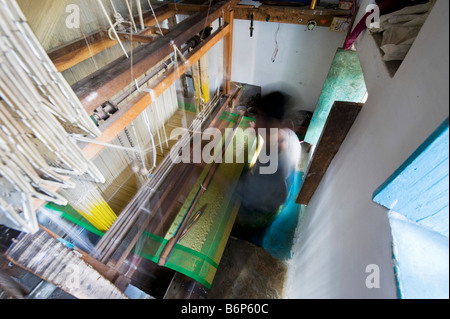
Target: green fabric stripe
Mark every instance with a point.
(192, 274)
(232, 117)
(196, 254)
(69, 213)
(178, 247)
(225, 214)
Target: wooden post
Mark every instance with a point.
(227, 53)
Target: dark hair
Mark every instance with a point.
(273, 105)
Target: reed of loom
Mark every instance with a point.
(165, 254)
(151, 223)
(129, 215)
(154, 223)
(127, 218)
(117, 264)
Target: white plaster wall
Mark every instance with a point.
(301, 65)
(342, 230)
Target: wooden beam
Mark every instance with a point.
(77, 51)
(94, 90)
(144, 36)
(288, 14)
(129, 112)
(185, 7)
(339, 122)
(152, 30)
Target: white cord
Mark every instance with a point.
(114, 8)
(141, 17)
(154, 15)
(130, 11)
(112, 26)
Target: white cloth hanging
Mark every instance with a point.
(399, 29)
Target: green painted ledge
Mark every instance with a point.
(344, 82)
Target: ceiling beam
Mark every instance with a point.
(288, 14)
(72, 53)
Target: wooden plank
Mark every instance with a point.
(121, 119)
(94, 90)
(288, 14)
(339, 122)
(160, 12)
(148, 35)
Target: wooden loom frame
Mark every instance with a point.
(99, 87)
(114, 77)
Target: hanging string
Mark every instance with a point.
(147, 122)
(141, 17)
(109, 241)
(130, 11)
(90, 51)
(114, 8)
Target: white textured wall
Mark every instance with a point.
(342, 229)
(301, 65)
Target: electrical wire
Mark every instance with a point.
(275, 52)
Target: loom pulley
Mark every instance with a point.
(103, 112)
(129, 150)
(108, 108)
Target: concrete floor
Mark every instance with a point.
(247, 271)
